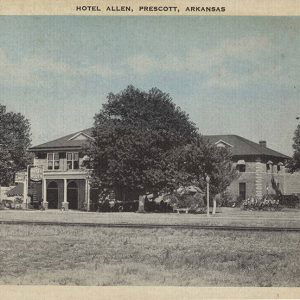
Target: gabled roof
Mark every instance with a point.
(66, 142)
(238, 145)
(223, 143)
(242, 146)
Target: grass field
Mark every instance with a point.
(31, 254)
(226, 216)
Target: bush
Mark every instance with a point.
(227, 199)
(291, 201)
(18, 200)
(268, 202)
(18, 203)
(191, 201)
(8, 203)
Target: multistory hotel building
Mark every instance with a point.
(65, 183)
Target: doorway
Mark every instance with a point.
(52, 195)
(72, 195)
(242, 190)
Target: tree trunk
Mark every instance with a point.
(141, 208)
(214, 206)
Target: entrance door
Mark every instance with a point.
(242, 190)
(52, 195)
(72, 195)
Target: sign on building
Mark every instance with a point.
(20, 177)
(36, 173)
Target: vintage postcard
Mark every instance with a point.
(149, 149)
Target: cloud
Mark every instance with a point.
(224, 78)
(198, 60)
(100, 70)
(218, 65)
(37, 64)
(28, 70)
(38, 70)
(142, 64)
(244, 46)
(3, 57)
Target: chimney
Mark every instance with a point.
(263, 144)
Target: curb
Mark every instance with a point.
(149, 226)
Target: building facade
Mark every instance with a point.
(65, 183)
(261, 170)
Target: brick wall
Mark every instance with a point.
(259, 181)
(291, 184)
(248, 178)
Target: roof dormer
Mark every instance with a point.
(80, 136)
(223, 144)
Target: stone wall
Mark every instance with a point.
(291, 184)
(259, 180)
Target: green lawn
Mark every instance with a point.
(32, 254)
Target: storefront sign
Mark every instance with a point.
(36, 173)
(20, 176)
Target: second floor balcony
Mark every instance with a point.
(59, 161)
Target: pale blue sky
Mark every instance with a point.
(233, 75)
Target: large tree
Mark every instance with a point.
(14, 141)
(143, 142)
(294, 164)
(193, 162)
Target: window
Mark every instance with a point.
(53, 161)
(241, 168)
(241, 165)
(73, 160)
(270, 166)
(242, 190)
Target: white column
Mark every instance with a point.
(207, 198)
(65, 204)
(88, 194)
(45, 202)
(65, 190)
(25, 192)
(85, 193)
(44, 191)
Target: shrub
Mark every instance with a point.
(227, 199)
(191, 201)
(8, 203)
(291, 201)
(18, 203)
(18, 200)
(267, 202)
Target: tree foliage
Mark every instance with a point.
(294, 164)
(14, 141)
(143, 142)
(193, 162)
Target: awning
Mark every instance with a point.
(241, 162)
(16, 191)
